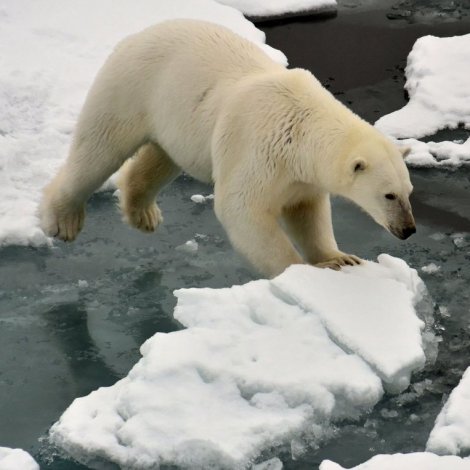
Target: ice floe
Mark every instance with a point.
(437, 82)
(16, 459)
(451, 432)
(275, 8)
(51, 50)
(257, 365)
(413, 461)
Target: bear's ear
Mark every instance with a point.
(405, 151)
(358, 165)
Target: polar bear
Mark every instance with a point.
(192, 96)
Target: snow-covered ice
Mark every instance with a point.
(437, 82)
(257, 365)
(413, 461)
(437, 154)
(451, 432)
(274, 8)
(50, 51)
(16, 459)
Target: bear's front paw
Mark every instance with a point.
(337, 261)
(146, 218)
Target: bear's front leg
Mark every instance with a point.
(309, 223)
(256, 234)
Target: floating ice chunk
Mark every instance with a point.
(431, 154)
(253, 369)
(200, 199)
(191, 246)
(274, 8)
(374, 316)
(451, 432)
(413, 461)
(40, 100)
(16, 459)
(431, 268)
(437, 82)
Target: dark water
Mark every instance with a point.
(73, 317)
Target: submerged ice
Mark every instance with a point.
(256, 366)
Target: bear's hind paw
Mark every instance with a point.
(62, 224)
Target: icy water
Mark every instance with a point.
(73, 317)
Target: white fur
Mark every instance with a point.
(193, 96)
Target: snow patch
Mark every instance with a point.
(40, 99)
(451, 432)
(259, 365)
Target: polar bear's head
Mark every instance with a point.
(379, 182)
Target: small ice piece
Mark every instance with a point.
(451, 432)
(459, 240)
(16, 459)
(271, 464)
(438, 236)
(82, 284)
(431, 268)
(200, 199)
(191, 246)
(444, 311)
(413, 461)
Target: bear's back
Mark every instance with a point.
(200, 47)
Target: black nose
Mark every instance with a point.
(407, 232)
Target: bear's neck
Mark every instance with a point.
(323, 158)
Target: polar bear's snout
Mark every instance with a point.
(404, 223)
(404, 232)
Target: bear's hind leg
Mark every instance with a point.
(140, 180)
(100, 146)
(309, 223)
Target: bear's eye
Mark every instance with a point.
(390, 196)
